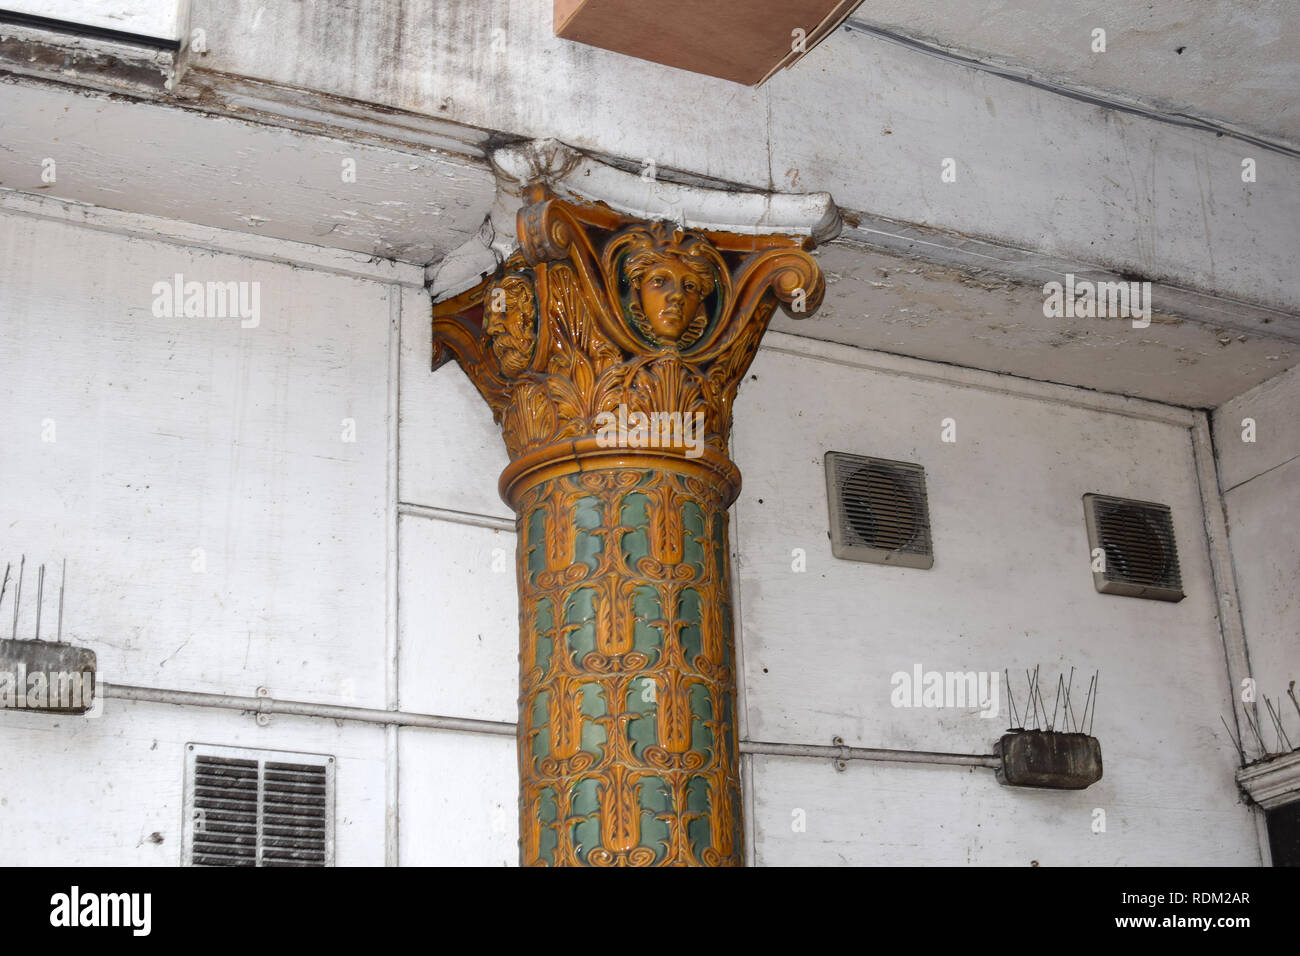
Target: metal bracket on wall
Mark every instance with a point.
(840, 763)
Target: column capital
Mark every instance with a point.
(606, 335)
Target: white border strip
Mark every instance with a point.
(392, 631)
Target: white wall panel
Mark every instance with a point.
(876, 814)
(1010, 588)
(177, 434)
(451, 450)
(459, 620)
(1262, 499)
(92, 792)
(1263, 517)
(167, 19)
(1274, 407)
(459, 800)
(180, 434)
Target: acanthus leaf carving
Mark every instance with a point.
(597, 311)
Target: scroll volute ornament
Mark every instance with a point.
(598, 311)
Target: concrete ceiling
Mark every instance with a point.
(236, 154)
(408, 205)
(909, 306)
(1235, 62)
(284, 183)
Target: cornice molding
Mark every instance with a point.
(1272, 783)
(570, 174)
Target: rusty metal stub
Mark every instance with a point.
(1047, 759)
(46, 677)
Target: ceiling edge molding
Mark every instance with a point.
(1272, 783)
(572, 174)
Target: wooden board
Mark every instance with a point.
(742, 42)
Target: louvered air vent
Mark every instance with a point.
(878, 511)
(258, 808)
(1137, 541)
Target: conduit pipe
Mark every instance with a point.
(401, 718)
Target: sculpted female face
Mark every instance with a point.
(671, 296)
(672, 277)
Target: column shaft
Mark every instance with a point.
(627, 744)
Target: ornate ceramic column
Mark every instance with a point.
(610, 350)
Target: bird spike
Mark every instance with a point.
(40, 597)
(18, 593)
(1255, 730)
(1277, 724)
(1235, 742)
(1096, 684)
(1060, 686)
(63, 579)
(1011, 700)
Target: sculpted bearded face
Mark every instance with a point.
(508, 320)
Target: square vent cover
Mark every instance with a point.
(1137, 538)
(878, 511)
(257, 808)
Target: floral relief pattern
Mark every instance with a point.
(626, 673)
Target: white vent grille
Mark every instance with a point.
(878, 511)
(1136, 539)
(257, 808)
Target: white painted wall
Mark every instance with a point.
(172, 435)
(1011, 588)
(1261, 491)
(82, 792)
(176, 434)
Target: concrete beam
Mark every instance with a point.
(866, 120)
